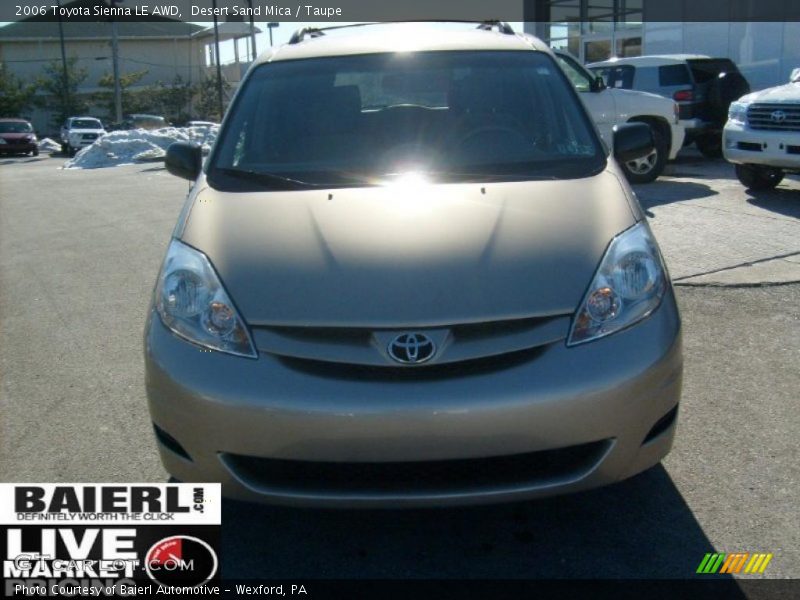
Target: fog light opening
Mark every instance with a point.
(662, 425)
(170, 443)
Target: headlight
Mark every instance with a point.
(737, 112)
(191, 301)
(628, 285)
(2, 141)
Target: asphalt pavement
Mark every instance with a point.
(79, 253)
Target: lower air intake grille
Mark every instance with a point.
(516, 470)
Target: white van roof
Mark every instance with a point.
(398, 37)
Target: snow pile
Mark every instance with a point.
(48, 145)
(138, 145)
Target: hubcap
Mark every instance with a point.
(645, 164)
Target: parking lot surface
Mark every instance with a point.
(79, 253)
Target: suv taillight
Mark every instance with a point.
(683, 95)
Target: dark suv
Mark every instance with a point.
(702, 86)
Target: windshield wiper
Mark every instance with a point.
(328, 179)
(266, 177)
(455, 176)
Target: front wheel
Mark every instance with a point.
(649, 167)
(35, 152)
(758, 177)
(710, 145)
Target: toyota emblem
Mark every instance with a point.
(778, 116)
(411, 348)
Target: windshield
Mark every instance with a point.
(454, 116)
(86, 124)
(15, 127)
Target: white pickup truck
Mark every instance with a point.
(78, 132)
(611, 106)
(762, 135)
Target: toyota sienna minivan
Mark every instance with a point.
(409, 273)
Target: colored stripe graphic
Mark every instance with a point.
(758, 563)
(719, 562)
(734, 562)
(711, 563)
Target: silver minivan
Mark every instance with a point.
(410, 274)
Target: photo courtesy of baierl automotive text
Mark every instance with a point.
(433, 300)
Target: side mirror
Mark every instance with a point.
(598, 84)
(795, 76)
(184, 159)
(632, 141)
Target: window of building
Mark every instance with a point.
(594, 29)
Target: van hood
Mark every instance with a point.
(400, 256)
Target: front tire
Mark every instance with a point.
(648, 168)
(35, 152)
(757, 177)
(710, 145)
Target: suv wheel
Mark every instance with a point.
(648, 168)
(710, 145)
(757, 177)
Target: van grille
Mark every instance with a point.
(774, 117)
(428, 372)
(355, 352)
(470, 474)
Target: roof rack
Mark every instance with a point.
(299, 35)
(315, 32)
(501, 26)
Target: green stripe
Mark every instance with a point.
(711, 563)
(717, 565)
(701, 568)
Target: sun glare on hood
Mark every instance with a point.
(410, 192)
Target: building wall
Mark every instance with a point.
(163, 59)
(766, 52)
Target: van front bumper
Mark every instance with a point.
(564, 420)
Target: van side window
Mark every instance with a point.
(673, 75)
(578, 78)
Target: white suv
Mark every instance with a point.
(703, 87)
(78, 132)
(762, 135)
(610, 107)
